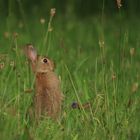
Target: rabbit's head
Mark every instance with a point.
(39, 63)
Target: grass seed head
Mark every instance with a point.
(6, 34)
(42, 21)
(12, 64)
(113, 76)
(1, 65)
(52, 12)
(101, 43)
(119, 4)
(15, 34)
(135, 87)
(50, 29)
(132, 51)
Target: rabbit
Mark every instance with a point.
(48, 96)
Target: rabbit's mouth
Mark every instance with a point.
(40, 70)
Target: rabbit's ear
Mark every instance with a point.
(30, 52)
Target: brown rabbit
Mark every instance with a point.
(48, 96)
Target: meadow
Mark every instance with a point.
(97, 60)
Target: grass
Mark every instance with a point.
(97, 63)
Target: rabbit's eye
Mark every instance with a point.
(45, 60)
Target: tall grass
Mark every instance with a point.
(92, 68)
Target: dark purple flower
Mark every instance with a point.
(74, 105)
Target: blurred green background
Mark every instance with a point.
(79, 8)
